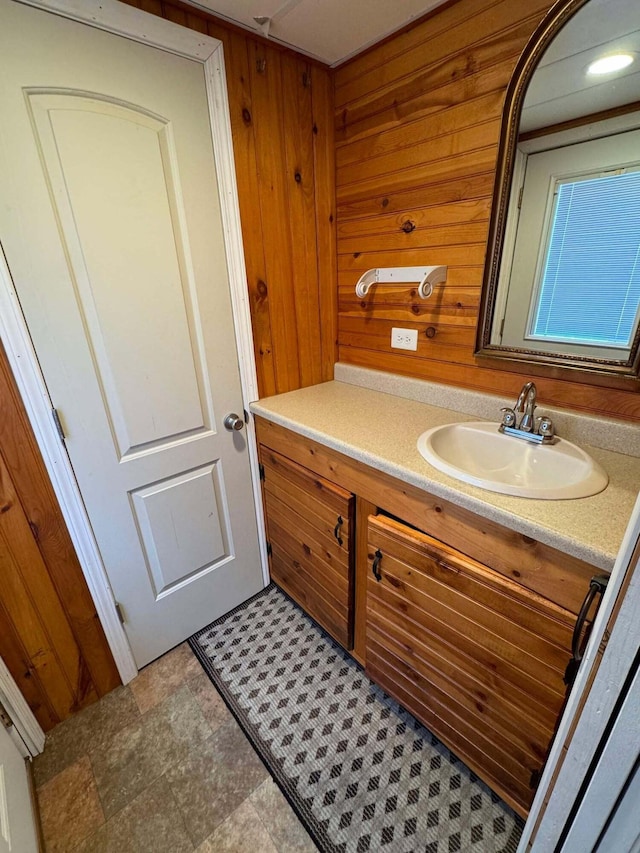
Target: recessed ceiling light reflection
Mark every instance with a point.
(610, 64)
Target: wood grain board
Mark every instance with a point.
(417, 127)
(311, 529)
(470, 653)
(50, 637)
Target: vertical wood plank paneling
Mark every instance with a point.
(153, 6)
(299, 170)
(35, 493)
(280, 128)
(266, 86)
(175, 14)
(24, 674)
(50, 637)
(242, 127)
(417, 128)
(34, 609)
(325, 198)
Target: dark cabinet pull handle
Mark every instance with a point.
(597, 586)
(375, 568)
(336, 530)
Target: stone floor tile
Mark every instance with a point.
(288, 834)
(69, 806)
(211, 702)
(91, 727)
(142, 752)
(242, 831)
(160, 679)
(210, 783)
(152, 823)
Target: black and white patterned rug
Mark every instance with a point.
(361, 773)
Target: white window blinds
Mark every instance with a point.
(590, 284)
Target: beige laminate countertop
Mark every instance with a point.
(381, 430)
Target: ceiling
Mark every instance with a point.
(328, 30)
(561, 90)
(332, 31)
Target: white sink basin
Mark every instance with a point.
(478, 454)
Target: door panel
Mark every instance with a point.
(182, 543)
(92, 148)
(17, 829)
(112, 230)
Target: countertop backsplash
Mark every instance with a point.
(606, 433)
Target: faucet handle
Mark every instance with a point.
(508, 417)
(544, 426)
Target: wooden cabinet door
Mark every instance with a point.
(310, 525)
(476, 657)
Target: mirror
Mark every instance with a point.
(562, 277)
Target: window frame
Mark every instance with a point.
(520, 293)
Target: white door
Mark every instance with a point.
(17, 829)
(111, 225)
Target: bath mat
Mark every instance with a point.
(360, 772)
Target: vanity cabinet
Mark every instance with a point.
(466, 623)
(310, 527)
(476, 657)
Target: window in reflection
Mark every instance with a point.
(590, 287)
(571, 269)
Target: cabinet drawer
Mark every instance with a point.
(310, 524)
(476, 657)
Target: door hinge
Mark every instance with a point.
(261, 470)
(501, 329)
(5, 719)
(119, 611)
(520, 194)
(269, 549)
(58, 423)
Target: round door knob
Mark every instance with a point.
(233, 421)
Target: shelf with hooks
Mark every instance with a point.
(426, 276)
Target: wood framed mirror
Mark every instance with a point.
(561, 290)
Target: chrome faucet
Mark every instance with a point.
(539, 430)
(527, 403)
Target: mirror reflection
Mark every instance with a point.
(568, 283)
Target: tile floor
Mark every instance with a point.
(161, 765)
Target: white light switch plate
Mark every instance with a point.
(404, 339)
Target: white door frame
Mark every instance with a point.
(610, 653)
(24, 722)
(139, 26)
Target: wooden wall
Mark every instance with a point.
(50, 637)
(282, 124)
(417, 127)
